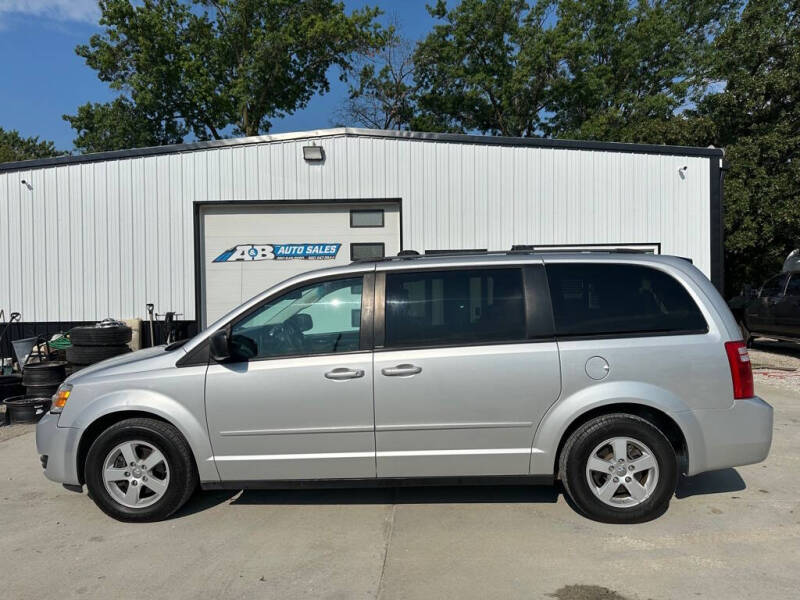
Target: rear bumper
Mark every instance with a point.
(730, 437)
(59, 445)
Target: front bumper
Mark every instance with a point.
(729, 437)
(60, 446)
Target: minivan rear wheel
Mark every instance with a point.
(619, 468)
(140, 470)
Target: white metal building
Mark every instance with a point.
(197, 228)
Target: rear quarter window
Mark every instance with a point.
(614, 299)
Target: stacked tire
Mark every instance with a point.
(94, 344)
(41, 380)
(10, 386)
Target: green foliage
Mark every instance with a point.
(211, 66)
(122, 124)
(14, 147)
(757, 119)
(487, 67)
(628, 69)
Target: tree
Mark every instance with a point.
(487, 68)
(14, 147)
(756, 117)
(628, 70)
(384, 95)
(122, 124)
(214, 66)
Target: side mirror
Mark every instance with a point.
(219, 349)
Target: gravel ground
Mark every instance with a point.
(776, 363)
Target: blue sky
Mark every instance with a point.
(42, 78)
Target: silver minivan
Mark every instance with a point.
(611, 372)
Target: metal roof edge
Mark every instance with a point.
(488, 140)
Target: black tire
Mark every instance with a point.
(46, 373)
(41, 391)
(168, 440)
(100, 336)
(88, 355)
(579, 447)
(9, 391)
(11, 385)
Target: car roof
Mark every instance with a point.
(468, 258)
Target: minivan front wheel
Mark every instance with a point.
(140, 470)
(619, 468)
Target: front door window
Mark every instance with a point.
(322, 318)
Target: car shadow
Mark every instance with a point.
(785, 348)
(404, 495)
(462, 494)
(713, 482)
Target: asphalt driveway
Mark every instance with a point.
(730, 534)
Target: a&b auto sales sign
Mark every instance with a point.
(251, 252)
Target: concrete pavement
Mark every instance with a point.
(730, 534)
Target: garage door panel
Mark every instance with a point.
(230, 231)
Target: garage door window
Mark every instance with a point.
(322, 318)
(366, 251)
(366, 218)
(615, 299)
(436, 308)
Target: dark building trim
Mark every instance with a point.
(717, 238)
(455, 138)
(46, 329)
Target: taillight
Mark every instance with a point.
(741, 371)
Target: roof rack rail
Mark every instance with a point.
(516, 249)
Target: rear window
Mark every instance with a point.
(607, 299)
(460, 306)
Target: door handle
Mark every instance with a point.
(401, 370)
(342, 373)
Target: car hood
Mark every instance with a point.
(128, 363)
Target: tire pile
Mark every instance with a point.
(34, 390)
(10, 386)
(41, 380)
(93, 344)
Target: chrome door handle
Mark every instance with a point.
(401, 370)
(343, 373)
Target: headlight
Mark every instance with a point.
(60, 398)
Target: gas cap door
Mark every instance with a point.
(597, 368)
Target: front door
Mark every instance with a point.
(296, 401)
(462, 380)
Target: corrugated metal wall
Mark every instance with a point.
(104, 238)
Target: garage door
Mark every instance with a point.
(248, 248)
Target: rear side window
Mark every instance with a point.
(610, 299)
(435, 308)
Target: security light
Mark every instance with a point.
(313, 153)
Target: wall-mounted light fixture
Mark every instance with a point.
(313, 153)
